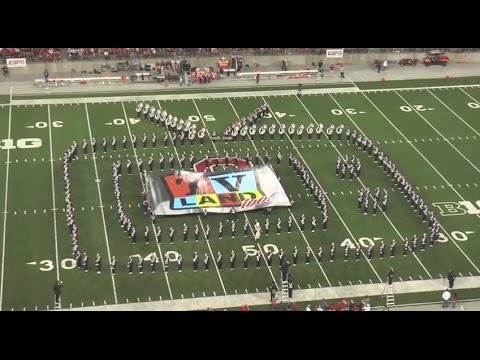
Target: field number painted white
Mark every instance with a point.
(47, 265)
(347, 111)
(43, 124)
(415, 107)
(206, 117)
(456, 235)
(252, 251)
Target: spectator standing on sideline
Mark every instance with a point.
(57, 290)
(332, 68)
(5, 72)
(257, 77)
(454, 300)
(46, 74)
(342, 72)
(451, 278)
(385, 64)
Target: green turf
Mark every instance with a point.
(391, 84)
(30, 231)
(162, 90)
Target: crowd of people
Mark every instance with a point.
(68, 157)
(352, 166)
(364, 196)
(81, 259)
(413, 198)
(233, 129)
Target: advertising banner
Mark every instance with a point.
(186, 192)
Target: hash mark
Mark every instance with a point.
(246, 291)
(319, 285)
(420, 276)
(339, 283)
(360, 281)
(350, 282)
(203, 292)
(214, 293)
(256, 289)
(460, 274)
(193, 295)
(410, 277)
(181, 295)
(236, 292)
(138, 299)
(400, 278)
(371, 282)
(309, 286)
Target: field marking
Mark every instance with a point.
(363, 185)
(438, 132)
(471, 97)
(101, 204)
(245, 215)
(6, 200)
(434, 168)
(454, 113)
(331, 203)
(53, 192)
(293, 216)
(143, 185)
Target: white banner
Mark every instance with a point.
(334, 53)
(189, 192)
(18, 62)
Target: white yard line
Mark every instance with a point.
(101, 202)
(454, 113)
(244, 214)
(328, 198)
(434, 168)
(6, 200)
(143, 186)
(438, 132)
(361, 182)
(57, 264)
(198, 216)
(293, 216)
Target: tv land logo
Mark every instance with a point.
(452, 208)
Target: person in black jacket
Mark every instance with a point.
(57, 290)
(451, 278)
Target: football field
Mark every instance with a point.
(431, 134)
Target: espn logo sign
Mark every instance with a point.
(18, 62)
(334, 53)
